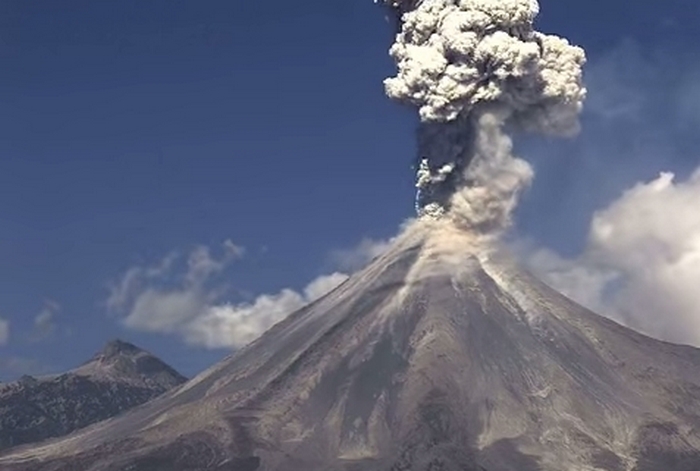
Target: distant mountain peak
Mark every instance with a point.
(124, 361)
(117, 378)
(119, 347)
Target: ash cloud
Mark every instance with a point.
(475, 69)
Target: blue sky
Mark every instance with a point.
(134, 130)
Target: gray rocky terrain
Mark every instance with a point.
(118, 378)
(438, 356)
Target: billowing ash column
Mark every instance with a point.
(475, 68)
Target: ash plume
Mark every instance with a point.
(476, 70)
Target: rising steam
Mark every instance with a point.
(474, 69)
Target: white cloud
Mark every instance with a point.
(177, 299)
(4, 331)
(642, 261)
(139, 281)
(234, 326)
(123, 292)
(165, 311)
(162, 298)
(156, 299)
(582, 281)
(323, 285)
(201, 265)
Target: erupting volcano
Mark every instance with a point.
(441, 354)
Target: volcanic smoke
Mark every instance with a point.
(477, 70)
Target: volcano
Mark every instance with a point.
(441, 354)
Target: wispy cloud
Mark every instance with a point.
(4, 331)
(164, 297)
(45, 321)
(197, 313)
(123, 292)
(235, 325)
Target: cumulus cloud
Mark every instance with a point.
(176, 298)
(641, 264)
(4, 331)
(235, 325)
(165, 311)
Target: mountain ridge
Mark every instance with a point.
(117, 378)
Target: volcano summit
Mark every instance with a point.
(439, 355)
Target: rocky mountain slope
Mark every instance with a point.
(438, 356)
(118, 378)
